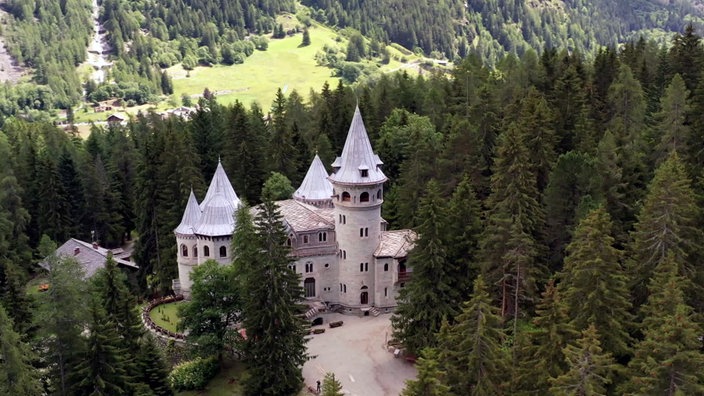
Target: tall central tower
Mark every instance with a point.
(357, 182)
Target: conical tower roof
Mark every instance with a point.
(220, 184)
(315, 185)
(358, 164)
(218, 217)
(191, 216)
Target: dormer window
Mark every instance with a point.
(364, 172)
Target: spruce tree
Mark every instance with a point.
(667, 223)
(471, 351)
(594, 285)
(101, 370)
(152, 368)
(331, 385)
(429, 381)
(545, 351)
(17, 376)
(669, 360)
(672, 130)
(429, 297)
(275, 347)
(590, 368)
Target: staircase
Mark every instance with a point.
(375, 311)
(311, 313)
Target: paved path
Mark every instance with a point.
(356, 353)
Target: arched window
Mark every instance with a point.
(288, 242)
(346, 197)
(223, 251)
(378, 194)
(195, 251)
(305, 238)
(206, 251)
(364, 197)
(361, 267)
(184, 251)
(386, 267)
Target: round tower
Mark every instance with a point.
(357, 182)
(187, 246)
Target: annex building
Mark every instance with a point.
(340, 243)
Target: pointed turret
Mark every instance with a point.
(358, 164)
(220, 184)
(191, 216)
(217, 218)
(316, 189)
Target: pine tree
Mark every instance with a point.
(514, 217)
(152, 368)
(666, 224)
(471, 351)
(554, 332)
(13, 295)
(669, 360)
(430, 377)
(331, 385)
(593, 284)
(275, 348)
(17, 376)
(429, 297)
(102, 369)
(590, 368)
(672, 131)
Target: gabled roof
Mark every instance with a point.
(315, 185)
(357, 155)
(220, 184)
(191, 216)
(301, 217)
(217, 218)
(395, 244)
(92, 258)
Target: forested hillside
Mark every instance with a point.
(493, 27)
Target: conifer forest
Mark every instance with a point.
(557, 192)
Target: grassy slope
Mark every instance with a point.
(283, 65)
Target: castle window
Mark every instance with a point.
(327, 265)
(386, 292)
(206, 251)
(344, 219)
(195, 251)
(322, 236)
(340, 287)
(223, 251)
(364, 172)
(366, 267)
(288, 242)
(344, 287)
(361, 267)
(305, 238)
(386, 267)
(184, 251)
(309, 267)
(366, 231)
(364, 197)
(344, 254)
(378, 194)
(346, 197)
(361, 232)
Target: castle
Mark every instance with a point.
(338, 239)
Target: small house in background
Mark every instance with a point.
(116, 118)
(91, 256)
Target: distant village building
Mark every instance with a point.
(342, 250)
(91, 256)
(116, 118)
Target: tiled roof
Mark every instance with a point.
(220, 183)
(191, 216)
(316, 185)
(90, 258)
(357, 156)
(217, 218)
(395, 244)
(303, 217)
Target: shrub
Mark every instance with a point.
(193, 374)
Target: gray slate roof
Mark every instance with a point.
(191, 216)
(395, 244)
(217, 218)
(315, 185)
(357, 155)
(91, 259)
(220, 183)
(300, 216)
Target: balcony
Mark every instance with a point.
(404, 276)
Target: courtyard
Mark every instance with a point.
(356, 353)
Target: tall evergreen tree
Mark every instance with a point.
(275, 348)
(666, 224)
(471, 351)
(590, 368)
(17, 376)
(672, 129)
(594, 285)
(514, 217)
(430, 377)
(429, 297)
(669, 360)
(152, 368)
(331, 385)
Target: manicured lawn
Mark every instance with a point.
(166, 315)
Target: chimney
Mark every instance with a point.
(76, 251)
